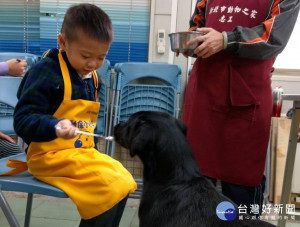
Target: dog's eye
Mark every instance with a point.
(142, 122)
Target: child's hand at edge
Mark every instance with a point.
(67, 130)
(6, 137)
(16, 67)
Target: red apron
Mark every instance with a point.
(228, 102)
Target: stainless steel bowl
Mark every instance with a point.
(178, 41)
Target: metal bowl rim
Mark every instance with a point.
(191, 32)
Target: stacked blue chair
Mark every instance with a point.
(8, 99)
(5, 56)
(23, 182)
(144, 87)
(161, 95)
(112, 116)
(104, 74)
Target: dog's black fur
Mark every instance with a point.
(175, 194)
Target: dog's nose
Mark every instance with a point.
(116, 127)
(120, 125)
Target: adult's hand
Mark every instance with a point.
(212, 42)
(185, 54)
(16, 67)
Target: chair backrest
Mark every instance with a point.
(161, 97)
(170, 74)
(134, 98)
(8, 90)
(104, 74)
(31, 59)
(8, 100)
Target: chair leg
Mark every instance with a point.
(28, 210)
(7, 211)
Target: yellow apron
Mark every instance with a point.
(95, 182)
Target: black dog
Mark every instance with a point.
(175, 194)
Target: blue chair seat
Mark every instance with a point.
(23, 182)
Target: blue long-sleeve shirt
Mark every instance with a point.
(41, 93)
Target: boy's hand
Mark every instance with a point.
(67, 130)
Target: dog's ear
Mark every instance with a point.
(135, 147)
(181, 126)
(141, 141)
(143, 145)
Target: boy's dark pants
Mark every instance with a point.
(110, 218)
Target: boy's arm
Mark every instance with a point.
(40, 94)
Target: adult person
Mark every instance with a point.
(12, 67)
(228, 100)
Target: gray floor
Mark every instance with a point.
(49, 212)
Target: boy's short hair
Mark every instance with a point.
(91, 19)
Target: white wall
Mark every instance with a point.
(290, 57)
(163, 14)
(173, 16)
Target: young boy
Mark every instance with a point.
(61, 90)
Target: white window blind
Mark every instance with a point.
(33, 25)
(19, 26)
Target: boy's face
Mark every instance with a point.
(84, 54)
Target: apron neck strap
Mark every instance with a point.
(66, 77)
(96, 83)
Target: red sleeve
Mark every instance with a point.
(198, 18)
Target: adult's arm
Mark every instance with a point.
(198, 18)
(269, 38)
(264, 41)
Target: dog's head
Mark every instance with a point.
(158, 139)
(147, 131)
